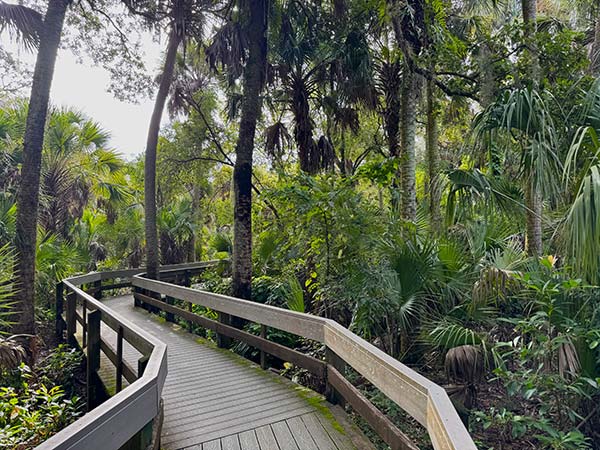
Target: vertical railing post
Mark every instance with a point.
(93, 357)
(170, 317)
(190, 308)
(142, 364)
(84, 326)
(340, 365)
(59, 311)
(119, 376)
(263, 354)
(71, 319)
(222, 340)
(136, 301)
(98, 289)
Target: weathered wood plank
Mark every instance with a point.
(318, 433)
(383, 426)
(212, 445)
(284, 436)
(309, 363)
(266, 439)
(248, 440)
(310, 327)
(231, 442)
(301, 434)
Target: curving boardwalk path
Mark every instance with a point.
(216, 400)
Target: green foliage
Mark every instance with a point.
(31, 416)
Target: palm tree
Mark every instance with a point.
(185, 21)
(409, 28)
(255, 27)
(29, 27)
(522, 119)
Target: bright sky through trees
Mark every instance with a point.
(84, 84)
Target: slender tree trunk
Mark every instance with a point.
(529, 10)
(308, 156)
(197, 235)
(488, 83)
(533, 196)
(408, 128)
(29, 191)
(152, 251)
(533, 199)
(391, 80)
(433, 158)
(242, 173)
(595, 50)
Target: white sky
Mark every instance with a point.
(83, 87)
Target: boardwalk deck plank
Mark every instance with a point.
(266, 438)
(248, 440)
(284, 436)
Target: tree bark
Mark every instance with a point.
(197, 234)
(433, 158)
(29, 191)
(408, 128)
(595, 50)
(391, 81)
(529, 10)
(488, 84)
(152, 251)
(254, 73)
(533, 200)
(533, 196)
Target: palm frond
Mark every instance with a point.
(24, 24)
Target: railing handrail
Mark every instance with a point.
(424, 400)
(118, 419)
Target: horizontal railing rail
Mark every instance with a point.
(422, 399)
(126, 418)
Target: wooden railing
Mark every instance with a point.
(422, 399)
(124, 420)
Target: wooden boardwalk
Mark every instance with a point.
(215, 400)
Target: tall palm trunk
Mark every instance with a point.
(391, 84)
(254, 72)
(152, 252)
(433, 158)
(529, 10)
(595, 51)
(408, 128)
(197, 234)
(533, 197)
(303, 126)
(29, 191)
(534, 202)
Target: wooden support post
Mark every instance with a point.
(170, 317)
(190, 323)
(222, 340)
(263, 355)
(186, 279)
(98, 289)
(119, 384)
(136, 302)
(93, 357)
(59, 311)
(84, 326)
(71, 319)
(142, 363)
(340, 365)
